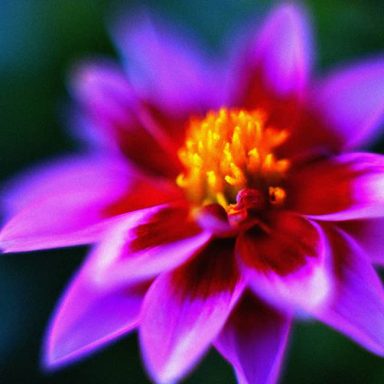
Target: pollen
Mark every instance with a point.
(230, 150)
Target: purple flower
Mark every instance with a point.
(221, 202)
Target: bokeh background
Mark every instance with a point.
(39, 42)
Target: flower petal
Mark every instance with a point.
(357, 305)
(72, 201)
(165, 68)
(278, 64)
(368, 234)
(186, 309)
(214, 218)
(287, 265)
(254, 340)
(346, 187)
(119, 119)
(146, 243)
(89, 317)
(352, 101)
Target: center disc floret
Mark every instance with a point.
(227, 151)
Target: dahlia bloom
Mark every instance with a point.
(221, 203)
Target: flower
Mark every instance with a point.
(221, 203)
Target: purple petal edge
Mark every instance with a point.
(254, 341)
(352, 101)
(87, 318)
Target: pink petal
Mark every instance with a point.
(61, 204)
(352, 101)
(357, 304)
(368, 234)
(165, 68)
(145, 244)
(287, 265)
(186, 309)
(88, 317)
(120, 120)
(346, 187)
(214, 218)
(39, 182)
(254, 340)
(72, 202)
(277, 64)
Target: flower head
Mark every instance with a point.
(221, 203)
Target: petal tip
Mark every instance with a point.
(52, 358)
(5, 243)
(283, 50)
(292, 13)
(165, 374)
(51, 361)
(58, 355)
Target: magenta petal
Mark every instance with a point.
(89, 317)
(164, 67)
(117, 118)
(368, 234)
(357, 306)
(62, 204)
(254, 340)
(352, 101)
(146, 243)
(185, 310)
(284, 49)
(306, 286)
(281, 54)
(105, 97)
(346, 187)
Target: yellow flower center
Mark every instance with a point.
(228, 151)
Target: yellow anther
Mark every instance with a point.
(277, 195)
(268, 162)
(227, 151)
(220, 199)
(212, 180)
(282, 165)
(180, 181)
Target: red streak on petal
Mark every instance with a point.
(211, 271)
(283, 250)
(166, 226)
(250, 311)
(214, 218)
(142, 148)
(143, 194)
(284, 112)
(311, 137)
(325, 187)
(174, 126)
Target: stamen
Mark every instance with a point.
(227, 151)
(277, 195)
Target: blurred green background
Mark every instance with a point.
(39, 41)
